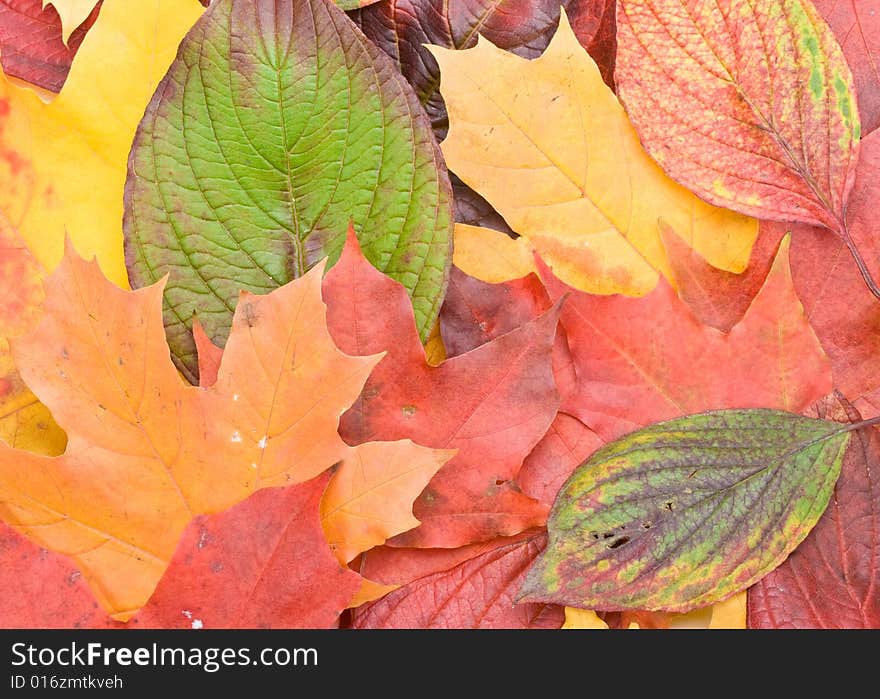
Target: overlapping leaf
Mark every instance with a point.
(541, 140)
(730, 614)
(844, 313)
(491, 255)
(476, 593)
(278, 124)
(234, 183)
(642, 360)
(147, 453)
(472, 210)
(716, 297)
(262, 564)
(209, 355)
(53, 594)
(475, 312)
(830, 580)
(24, 422)
(370, 499)
(684, 513)
(623, 349)
(402, 28)
(492, 405)
(72, 14)
(841, 310)
(63, 164)
(33, 47)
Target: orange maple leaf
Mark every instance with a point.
(147, 453)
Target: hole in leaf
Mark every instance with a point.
(500, 481)
(607, 535)
(646, 525)
(668, 506)
(618, 542)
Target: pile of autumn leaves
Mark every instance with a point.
(330, 469)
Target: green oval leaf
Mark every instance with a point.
(277, 124)
(684, 513)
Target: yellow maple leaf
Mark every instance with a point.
(63, 164)
(548, 144)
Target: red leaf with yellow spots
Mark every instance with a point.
(772, 125)
(856, 24)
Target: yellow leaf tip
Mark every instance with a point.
(564, 21)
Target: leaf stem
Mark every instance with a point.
(851, 427)
(843, 230)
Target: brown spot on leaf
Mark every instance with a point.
(250, 314)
